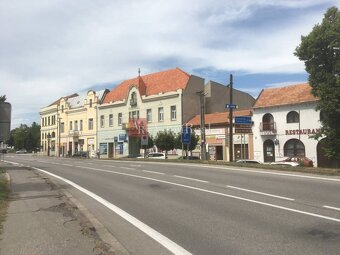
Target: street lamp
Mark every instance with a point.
(48, 144)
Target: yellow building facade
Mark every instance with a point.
(74, 128)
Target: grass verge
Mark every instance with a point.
(4, 194)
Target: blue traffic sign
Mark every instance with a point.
(243, 120)
(186, 135)
(231, 106)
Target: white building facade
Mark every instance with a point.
(285, 123)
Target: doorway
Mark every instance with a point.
(268, 151)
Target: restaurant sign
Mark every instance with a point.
(306, 131)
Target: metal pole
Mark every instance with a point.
(203, 148)
(231, 120)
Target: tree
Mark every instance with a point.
(165, 140)
(320, 50)
(3, 99)
(25, 137)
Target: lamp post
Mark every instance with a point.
(201, 94)
(48, 144)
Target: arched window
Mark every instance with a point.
(294, 148)
(293, 117)
(268, 122)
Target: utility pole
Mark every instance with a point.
(202, 103)
(231, 120)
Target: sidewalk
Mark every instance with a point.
(41, 220)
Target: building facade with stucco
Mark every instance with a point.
(285, 123)
(155, 102)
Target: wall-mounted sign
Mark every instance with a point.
(306, 131)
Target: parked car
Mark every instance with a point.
(22, 151)
(81, 154)
(295, 161)
(157, 155)
(248, 161)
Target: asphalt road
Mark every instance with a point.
(162, 208)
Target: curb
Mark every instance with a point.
(115, 246)
(102, 231)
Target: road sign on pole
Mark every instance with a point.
(186, 135)
(243, 120)
(231, 106)
(144, 140)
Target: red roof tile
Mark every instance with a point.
(294, 94)
(218, 118)
(151, 84)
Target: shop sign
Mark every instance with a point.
(306, 131)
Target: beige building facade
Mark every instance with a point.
(164, 101)
(71, 123)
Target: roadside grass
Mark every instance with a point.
(4, 194)
(310, 170)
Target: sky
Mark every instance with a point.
(50, 49)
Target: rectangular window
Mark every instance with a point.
(90, 124)
(76, 125)
(173, 112)
(160, 114)
(90, 103)
(81, 125)
(102, 121)
(149, 115)
(49, 120)
(62, 108)
(111, 120)
(62, 127)
(120, 119)
(71, 125)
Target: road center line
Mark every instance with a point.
(163, 240)
(152, 172)
(188, 178)
(128, 168)
(67, 165)
(223, 194)
(331, 207)
(261, 193)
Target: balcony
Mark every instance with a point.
(268, 128)
(74, 133)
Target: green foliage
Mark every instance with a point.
(25, 137)
(165, 140)
(320, 50)
(193, 141)
(3, 98)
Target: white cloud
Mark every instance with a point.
(53, 48)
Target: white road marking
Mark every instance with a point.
(152, 172)
(211, 192)
(261, 193)
(128, 168)
(135, 165)
(241, 170)
(109, 165)
(331, 207)
(67, 165)
(90, 163)
(223, 194)
(188, 178)
(163, 240)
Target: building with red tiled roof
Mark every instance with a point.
(216, 131)
(289, 95)
(164, 100)
(285, 123)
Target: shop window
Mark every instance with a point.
(293, 117)
(294, 148)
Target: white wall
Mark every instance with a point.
(309, 119)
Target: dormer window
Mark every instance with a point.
(133, 100)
